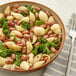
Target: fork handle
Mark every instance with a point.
(70, 58)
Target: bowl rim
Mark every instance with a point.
(62, 44)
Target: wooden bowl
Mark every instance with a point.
(44, 8)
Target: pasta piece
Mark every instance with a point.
(7, 10)
(56, 28)
(34, 39)
(31, 58)
(43, 16)
(19, 28)
(16, 15)
(1, 32)
(51, 55)
(45, 55)
(16, 47)
(15, 32)
(39, 31)
(10, 18)
(37, 58)
(32, 16)
(51, 19)
(13, 67)
(9, 44)
(1, 15)
(12, 45)
(7, 66)
(2, 61)
(51, 39)
(38, 64)
(24, 65)
(29, 47)
(22, 8)
(26, 19)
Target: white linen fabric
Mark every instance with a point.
(59, 66)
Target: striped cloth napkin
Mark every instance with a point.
(59, 65)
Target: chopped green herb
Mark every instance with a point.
(42, 40)
(44, 47)
(5, 29)
(26, 25)
(4, 25)
(4, 52)
(58, 40)
(23, 14)
(18, 59)
(3, 20)
(39, 22)
(15, 39)
(30, 9)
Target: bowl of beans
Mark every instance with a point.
(31, 36)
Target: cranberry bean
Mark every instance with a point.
(38, 37)
(12, 24)
(16, 6)
(41, 59)
(37, 8)
(32, 30)
(37, 44)
(9, 22)
(59, 43)
(19, 22)
(50, 32)
(45, 59)
(24, 50)
(13, 56)
(60, 36)
(24, 57)
(54, 35)
(19, 11)
(15, 21)
(37, 15)
(9, 40)
(2, 37)
(9, 61)
(55, 38)
(15, 10)
(45, 36)
(53, 49)
(26, 11)
(31, 23)
(18, 68)
(50, 36)
(53, 22)
(44, 26)
(25, 32)
(50, 23)
(5, 15)
(26, 36)
(48, 13)
(11, 28)
(23, 41)
(20, 36)
(31, 35)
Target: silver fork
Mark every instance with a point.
(72, 34)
